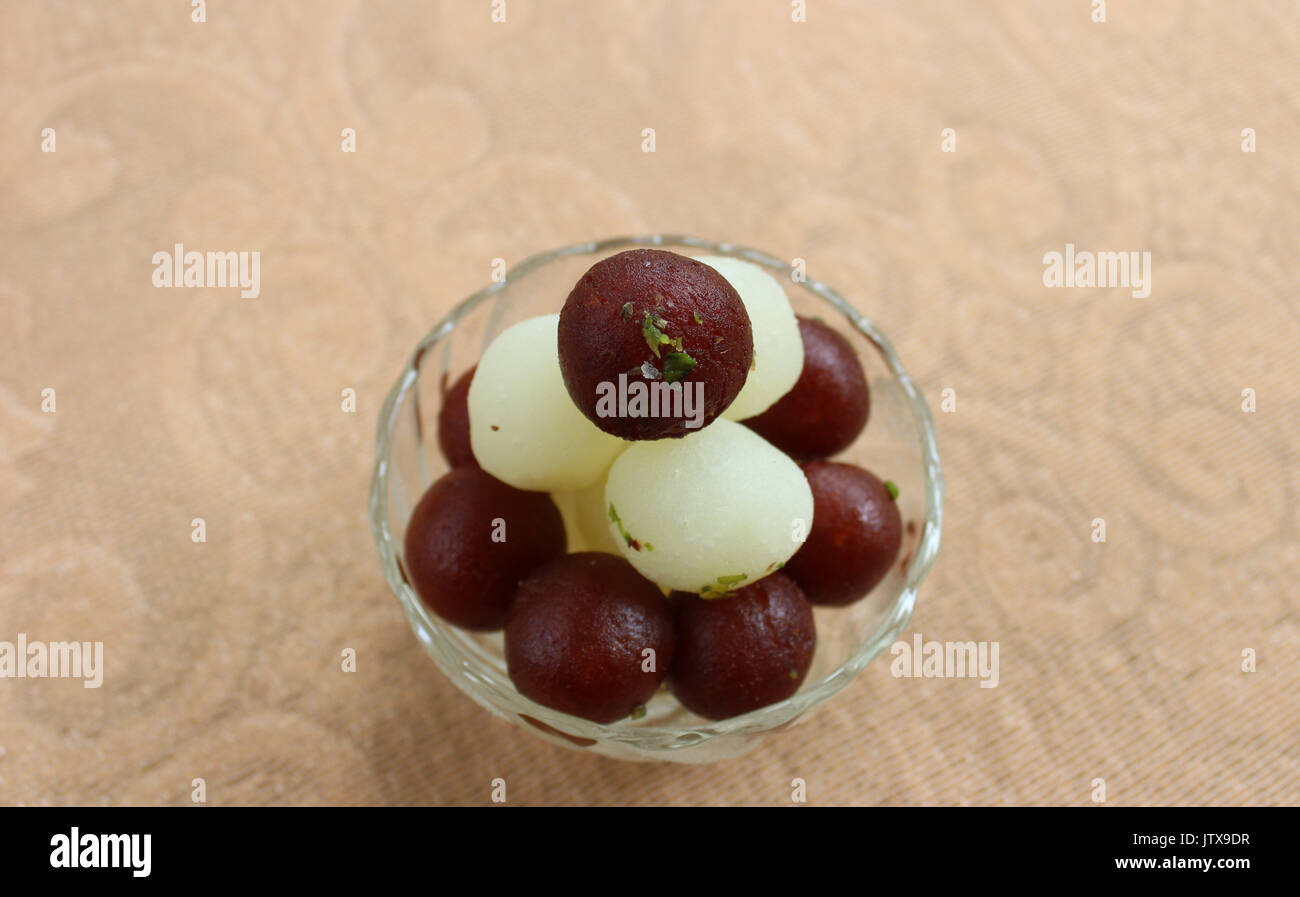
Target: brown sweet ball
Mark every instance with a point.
(855, 535)
(471, 539)
(657, 318)
(578, 633)
(453, 423)
(742, 651)
(828, 405)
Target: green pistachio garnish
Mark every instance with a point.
(677, 365)
(627, 311)
(622, 531)
(892, 488)
(654, 336)
(723, 586)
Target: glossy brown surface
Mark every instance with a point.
(471, 539)
(577, 632)
(854, 538)
(453, 423)
(828, 405)
(603, 333)
(744, 651)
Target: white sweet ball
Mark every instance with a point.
(593, 518)
(566, 504)
(523, 427)
(586, 516)
(719, 508)
(778, 348)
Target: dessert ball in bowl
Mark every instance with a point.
(798, 479)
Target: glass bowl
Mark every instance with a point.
(897, 444)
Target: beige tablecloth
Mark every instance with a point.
(821, 139)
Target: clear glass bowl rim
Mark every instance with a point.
(641, 736)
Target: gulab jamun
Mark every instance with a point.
(662, 322)
(828, 405)
(453, 423)
(742, 651)
(855, 535)
(589, 636)
(471, 539)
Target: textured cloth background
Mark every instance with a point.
(819, 140)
